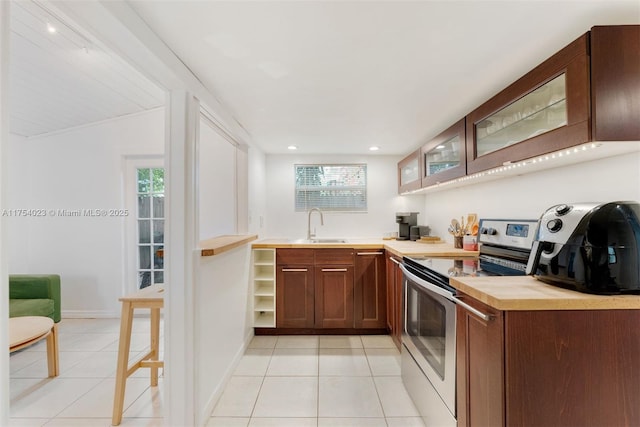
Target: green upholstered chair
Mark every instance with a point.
(34, 295)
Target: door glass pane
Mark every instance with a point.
(145, 257)
(158, 206)
(158, 260)
(158, 231)
(144, 208)
(536, 113)
(444, 156)
(144, 182)
(144, 279)
(144, 231)
(158, 277)
(158, 180)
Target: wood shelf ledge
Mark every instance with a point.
(220, 244)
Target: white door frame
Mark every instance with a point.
(4, 270)
(181, 252)
(131, 165)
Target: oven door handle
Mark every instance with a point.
(444, 293)
(485, 317)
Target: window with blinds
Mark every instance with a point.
(331, 187)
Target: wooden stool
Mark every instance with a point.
(152, 298)
(28, 330)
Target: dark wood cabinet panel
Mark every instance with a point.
(334, 256)
(295, 296)
(394, 300)
(391, 304)
(334, 297)
(573, 368)
(294, 256)
(480, 361)
(370, 292)
(548, 368)
(615, 82)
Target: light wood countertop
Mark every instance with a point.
(221, 244)
(527, 293)
(397, 247)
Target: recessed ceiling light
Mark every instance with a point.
(440, 147)
(374, 148)
(292, 147)
(51, 28)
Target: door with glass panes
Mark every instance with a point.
(150, 226)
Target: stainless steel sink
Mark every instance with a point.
(319, 241)
(328, 241)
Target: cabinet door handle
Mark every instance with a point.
(369, 253)
(295, 269)
(395, 260)
(334, 269)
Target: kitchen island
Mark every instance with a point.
(547, 356)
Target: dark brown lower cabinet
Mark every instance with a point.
(394, 299)
(370, 290)
(331, 289)
(548, 368)
(295, 295)
(334, 297)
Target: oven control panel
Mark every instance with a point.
(515, 233)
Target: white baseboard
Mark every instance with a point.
(215, 396)
(90, 314)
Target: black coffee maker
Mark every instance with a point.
(405, 221)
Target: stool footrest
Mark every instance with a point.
(152, 364)
(144, 362)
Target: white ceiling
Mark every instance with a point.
(340, 76)
(66, 79)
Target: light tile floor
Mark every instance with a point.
(82, 395)
(280, 381)
(343, 381)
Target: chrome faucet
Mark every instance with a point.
(309, 234)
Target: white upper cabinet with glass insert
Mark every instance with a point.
(444, 157)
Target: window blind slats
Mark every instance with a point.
(331, 187)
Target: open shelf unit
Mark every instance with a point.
(264, 288)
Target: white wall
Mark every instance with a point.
(528, 196)
(382, 194)
(257, 177)
(81, 168)
(224, 323)
(217, 181)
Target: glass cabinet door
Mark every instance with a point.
(540, 111)
(409, 173)
(546, 110)
(444, 157)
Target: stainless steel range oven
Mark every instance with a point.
(429, 304)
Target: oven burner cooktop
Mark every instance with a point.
(504, 250)
(450, 267)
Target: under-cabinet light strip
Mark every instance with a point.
(507, 166)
